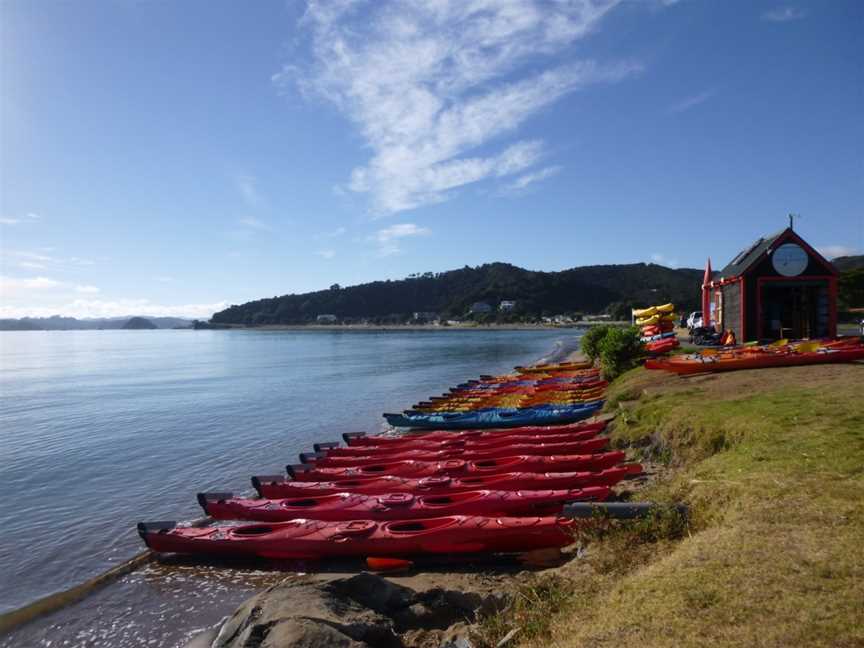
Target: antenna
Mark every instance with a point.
(792, 218)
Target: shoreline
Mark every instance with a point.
(410, 327)
(121, 582)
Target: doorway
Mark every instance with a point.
(793, 310)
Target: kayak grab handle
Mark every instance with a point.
(325, 445)
(347, 436)
(204, 498)
(620, 510)
(294, 469)
(311, 457)
(154, 527)
(257, 480)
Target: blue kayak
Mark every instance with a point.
(495, 418)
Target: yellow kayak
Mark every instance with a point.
(645, 312)
(563, 366)
(665, 308)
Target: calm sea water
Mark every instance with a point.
(101, 429)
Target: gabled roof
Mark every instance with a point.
(744, 259)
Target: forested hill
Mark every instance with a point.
(588, 289)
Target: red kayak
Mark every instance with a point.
(360, 438)
(658, 347)
(312, 539)
(731, 361)
(325, 460)
(332, 449)
(278, 486)
(458, 467)
(396, 506)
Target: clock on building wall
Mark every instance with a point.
(790, 260)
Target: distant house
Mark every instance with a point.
(506, 305)
(426, 316)
(326, 319)
(480, 307)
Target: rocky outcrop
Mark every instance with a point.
(359, 611)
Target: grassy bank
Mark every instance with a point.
(772, 464)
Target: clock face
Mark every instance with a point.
(790, 260)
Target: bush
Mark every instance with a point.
(619, 350)
(590, 343)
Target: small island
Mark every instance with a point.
(139, 324)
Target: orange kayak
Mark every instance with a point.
(691, 364)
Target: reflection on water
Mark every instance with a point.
(104, 428)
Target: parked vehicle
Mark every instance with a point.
(694, 320)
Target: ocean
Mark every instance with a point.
(101, 429)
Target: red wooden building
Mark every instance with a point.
(779, 287)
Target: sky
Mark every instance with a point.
(171, 158)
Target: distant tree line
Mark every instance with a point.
(613, 289)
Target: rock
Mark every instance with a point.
(364, 610)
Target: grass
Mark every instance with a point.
(772, 464)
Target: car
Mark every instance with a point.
(694, 320)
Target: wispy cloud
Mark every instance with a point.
(13, 286)
(661, 259)
(255, 223)
(339, 231)
(784, 14)
(248, 188)
(38, 260)
(326, 254)
(96, 308)
(523, 181)
(7, 220)
(428, 82)
(834, 251)
(87, 290)
(692, 102)
(388, 239)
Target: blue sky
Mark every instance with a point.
(171, 158)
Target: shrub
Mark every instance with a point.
(590, 343)
(619, 350)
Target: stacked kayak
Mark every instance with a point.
(788, 354)
(658, 328)
(481, 489)
(543, 395)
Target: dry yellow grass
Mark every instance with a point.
(772, 463)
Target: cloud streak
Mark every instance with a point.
(523, 181)
(255, 223)
(784, 14)
(388, 239)
(427, 83)
(30, 217)
(692, 102)
(96, 308)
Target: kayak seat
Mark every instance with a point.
(251, 531)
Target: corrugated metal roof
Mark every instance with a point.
(744, 259)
